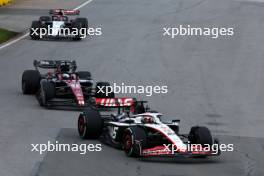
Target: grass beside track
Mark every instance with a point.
(6, 35)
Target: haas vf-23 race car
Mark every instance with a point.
(141, 132)
(59, 24)
(61, 85)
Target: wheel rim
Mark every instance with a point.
(81, 125)
(127, 143)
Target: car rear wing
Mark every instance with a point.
(53, 64)
(122, 104)
(64, 12)
(114, 102)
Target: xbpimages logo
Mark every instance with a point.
(52, 31)
(59, 147)
(198, 148)
(122, 88)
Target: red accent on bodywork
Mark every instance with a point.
(155, 151)
(114, 102)
(77, 91)
(162, 150)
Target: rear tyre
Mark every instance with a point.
(90, 124)
(46, 92)
(130, 145)
(100, 90)
(35, 34)
(30, 81)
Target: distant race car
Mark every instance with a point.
(61, 85)
(60, 24)
(140, 132)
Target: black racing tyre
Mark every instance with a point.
(35, 34)
(200, 135)
(100, 90)
(131, 136)
(83, 21)
(84, 75)
(47, 91)
(77, 25)
(30, 81)
(90, 124)
(44, 18)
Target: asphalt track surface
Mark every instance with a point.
(213, 82)
(111, 161)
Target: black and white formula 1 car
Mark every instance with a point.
(59, 24)
(142, 132)
(61, 85)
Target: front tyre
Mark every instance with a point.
(77, 26)
(83, 21)
(30, 81)
(200, 135)
(134, 140)
(90, 124)
(46, 92)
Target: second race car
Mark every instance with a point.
(62, 85)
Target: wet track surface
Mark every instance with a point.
(214, 82)
(242, 161)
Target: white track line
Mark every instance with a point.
(13, 41)
(83, 4)
(26, 34)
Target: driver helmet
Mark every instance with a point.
(61, 13)
(65, 76)
(64, 68)
(147, 119)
